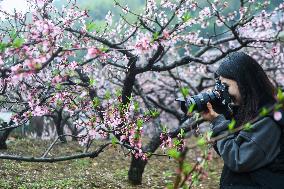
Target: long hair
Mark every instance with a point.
(254, 85)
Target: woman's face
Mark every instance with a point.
(233, 89)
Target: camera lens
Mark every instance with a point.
(219, 97)
(201, 100)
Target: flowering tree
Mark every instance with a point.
(123, 77)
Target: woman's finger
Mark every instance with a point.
(189, 114)
(209, 106)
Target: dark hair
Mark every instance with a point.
(255, 88)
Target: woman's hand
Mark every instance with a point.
(209, 114)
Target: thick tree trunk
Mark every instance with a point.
(59, 125)
(60, 133)
(3, 137)
(73, 129)
(136, 170)
(137, 165)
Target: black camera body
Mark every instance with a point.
(219, 97)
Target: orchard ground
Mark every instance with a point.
(108, 170)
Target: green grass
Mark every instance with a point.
(108, 170)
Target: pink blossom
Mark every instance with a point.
(92, 133)
(209, 155)
(275, 50)
(277, 116)
(116, 122)
(166, 141)
(73, 65)
(56, 79)
(84, 140)
(39, 111)
(16, 68)
(204, 13)
(219, 23)
(166, 34)
(144, 157)
(30, 64)
(103, 134)
(15, 119)
(40, 3)
(122, 138)
(231, 16)
(242, 11)
(26, 114)
(143, 44)
(193, 6)
(139, 144)
(167, 4)
(45, 45)
(93, 52)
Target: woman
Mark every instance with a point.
(253, 158)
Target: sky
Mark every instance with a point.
(10, 5)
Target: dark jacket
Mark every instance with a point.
(249, 156)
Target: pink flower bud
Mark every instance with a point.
(277, 115)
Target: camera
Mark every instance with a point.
(219, 97)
